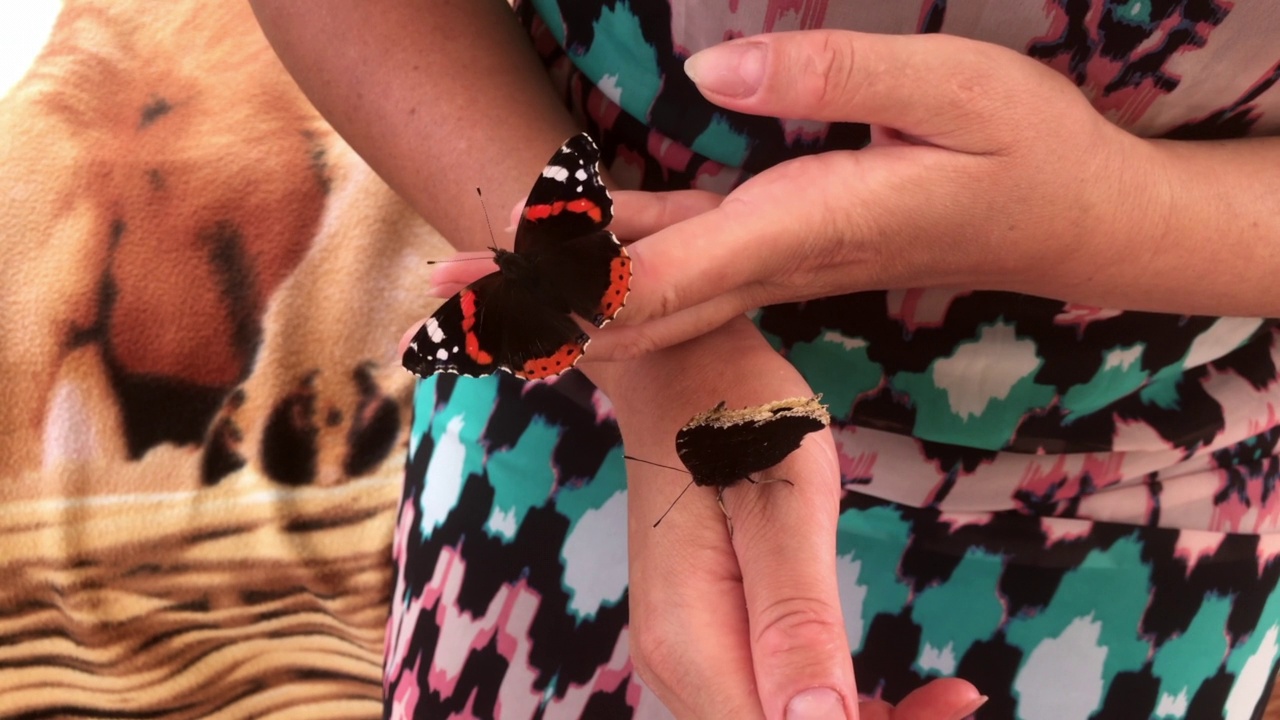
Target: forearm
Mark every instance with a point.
(439, 97)
(1200, 236)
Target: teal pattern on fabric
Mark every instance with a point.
(574, 501)
(947, 634)
(722, 142)
(837, 368)
(527, 460)
(460, 426)
(1121, 373)
(1187, 661)
(1083, 631)
(1253, 660)
(978, 394)
(869, 543)
(625, 65)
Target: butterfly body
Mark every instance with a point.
(565, 263)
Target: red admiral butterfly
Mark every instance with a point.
(565, 263)
(720, 447)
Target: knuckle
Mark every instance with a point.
(669, 301)
(630, 344)
(797, 623)
(827, 77)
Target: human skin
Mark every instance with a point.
(989, 171)
(738, 627)
(442, 97)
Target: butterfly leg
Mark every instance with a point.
(728, 520)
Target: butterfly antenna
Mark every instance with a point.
(650, 462)
(673, 502)
(452, 260)
(492, 240)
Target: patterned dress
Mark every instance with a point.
(1003, 456)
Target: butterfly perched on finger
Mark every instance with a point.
(565, 263)
(722, 447)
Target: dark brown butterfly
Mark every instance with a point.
(721, 447)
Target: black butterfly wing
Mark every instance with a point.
(493, 324)
(589, 275)
(567, 201)
(722, 447)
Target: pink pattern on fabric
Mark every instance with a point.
(1082, 315)
(1195, 545)
(857, 465)
(922, 307)
(404, 615)
(1126, 105)
(1064, 479)
(1268, 550)
(506, 624)
(809, 14)
(456, 630)
(405, 702)
(1248, 514)
(669, 153)
(1058, 530)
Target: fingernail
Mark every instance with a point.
(971, 709)
(734, 69)
(816, 704)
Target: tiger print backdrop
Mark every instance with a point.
(202, 427)
(202, 422)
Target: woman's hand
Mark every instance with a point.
(748, 626)
(731, 627)
(988, 170)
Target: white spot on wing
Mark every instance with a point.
(581, 175)
(442, 354)
(555, 172)
(434, 331)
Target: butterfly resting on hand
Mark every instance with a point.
(565, 263)
(722, 447)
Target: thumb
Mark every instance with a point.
(926, 86)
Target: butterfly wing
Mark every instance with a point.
(562, 232)
(590, 275)
(721, 447)
(492, 325)
(567, 201)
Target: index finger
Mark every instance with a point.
(923, 85)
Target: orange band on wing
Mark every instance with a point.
(581, 205)
(472, 342)
(563, 359)
(619, 286)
